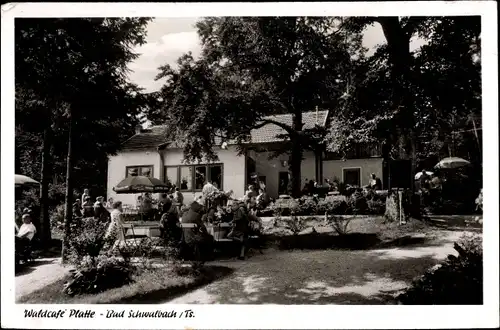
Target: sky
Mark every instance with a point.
(169, 38)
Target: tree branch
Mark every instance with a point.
(411, 25)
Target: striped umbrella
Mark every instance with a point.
(141, 184)
(452, 162)
(23, 180)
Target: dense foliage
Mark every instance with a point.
(458, 281)
(251, 68)
(72, 89)
(360, 202)
(434, 90)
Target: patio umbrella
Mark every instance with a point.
(452, 162)
(141, 184)
(23, 180)
(419, 174)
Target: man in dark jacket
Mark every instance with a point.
(197, 237)
(240, 227)
(169, 228)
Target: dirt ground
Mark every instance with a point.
(39, 274)
(373, 276)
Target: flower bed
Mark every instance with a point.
(358, 202)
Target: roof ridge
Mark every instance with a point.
(281, 114)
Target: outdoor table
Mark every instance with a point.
(218, 234)
(142, 228)
(212, 229)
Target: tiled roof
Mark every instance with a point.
(269, 133)
(156, 135)
(147, 139)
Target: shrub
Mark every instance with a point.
(458, 281)
(357, 203)
(96, 270)
(87, 239)
(308, 206)
(285, 206)
(294, 224)
(445, 206)
(339, 224)
(57, 218)
(332, 205)
(94, 275)
(376, 207)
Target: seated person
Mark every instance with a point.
(198, 237)
(109, 203)
(77, 209)
(251, 204)
(178, 198)
(163, 198)
(263, 199)
(139, 203)
(25, 234)
(209, 217)
(169, 229)
(147, 206)
(239, 232)
(101, 213)
(250, 192)
(88, 208)
(375, 183)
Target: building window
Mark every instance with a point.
(215, 175)
(200, 176)
(186, 178)
(143, 170)
(193, 177)
(352, 176)
(172, 175)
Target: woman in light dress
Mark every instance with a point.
(116, 230)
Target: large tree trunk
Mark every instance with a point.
(69, 193)
(45, 234)
(398, 42)
(296, 156)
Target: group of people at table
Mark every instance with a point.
(200, 214)
(189, 227)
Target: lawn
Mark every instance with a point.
(161, 284)
(151, 286)
(362, 233)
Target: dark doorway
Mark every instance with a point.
(251, 167)
(283, 183)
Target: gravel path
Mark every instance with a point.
(40, 273)
(324, 276)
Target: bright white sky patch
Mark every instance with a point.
(170, 38)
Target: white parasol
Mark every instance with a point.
(23, 180)
(452, 162)
(419, 174)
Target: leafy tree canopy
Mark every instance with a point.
(443, 78)
(79, 64)
(252, 68)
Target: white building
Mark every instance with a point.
(148, 153)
